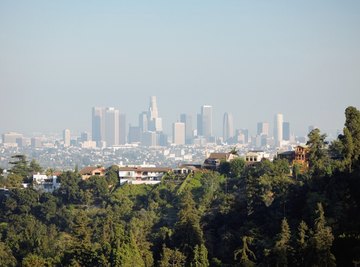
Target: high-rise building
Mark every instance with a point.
(263, 128)
(206, 121)
(199, 125)
(11, 138)
(189, 133)
(143, 121)
(84, 137)
(134, 134)
(66, 137)
(98, 125)
(278, 129)
(228, 127)
(112, 119)
(179, 133)
(122, 129)
(286, 131)
(154, 122)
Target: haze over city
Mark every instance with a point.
(250, 58)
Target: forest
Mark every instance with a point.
(266, 214)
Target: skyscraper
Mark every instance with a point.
(263, 128)
(154, 122)
(187, 120)
(112, 119)
(286, 131)
(228, 127)
(66, 137)
(206, 121)
(143, 121)
(278, 129)
(122, 129)
(98, 125)
(179, 133)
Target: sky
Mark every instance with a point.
(252, 58)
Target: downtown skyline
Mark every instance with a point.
(250, 59)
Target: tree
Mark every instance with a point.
(35, 167)
(6, 256)
(20, 166)
(245, 252)
(352, 123)
(319, 160)
(282, 244)
(237, 167)
(33, 260)
(172, 258)
(200, 256)
(302, 244)
(323, 239)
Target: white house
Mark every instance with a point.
(45, 183)
(256, 156)
(142, 175)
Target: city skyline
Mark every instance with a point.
(251, 59)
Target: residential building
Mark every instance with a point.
(214, 160)
(142, 175)
(256, 156)
(87, 172)
(45, 183)
(299, 156)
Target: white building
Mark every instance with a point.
(44, 183)
(66, 137)
(179, 133)
(256, 156)
(278, 129)
(142, 175)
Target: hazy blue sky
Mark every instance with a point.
(252, 58)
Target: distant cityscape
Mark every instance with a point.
(113, 141)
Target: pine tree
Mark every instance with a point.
(323, 239)
(282, 245)
(200, 256)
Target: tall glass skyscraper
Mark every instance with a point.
(278, 129)
(228, 126)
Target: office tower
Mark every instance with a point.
(199, 125)
(206, 121)
(134, 134)
(228, 127)
(286, 131)
(189, 133)
(84, 137)
(263, 128)
(36, 142)
(179, 133)
(278, 129)
(11, 138)
(66, 137)
(154, 122)
(98, 125)
(143, 121)
(245, 132)
(122, 129)
(112, 119)
(150, 139)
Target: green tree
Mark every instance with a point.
(323, 239)
(200, 256)
(237, 167)
(172, 258)
(352, 123)
(33, 260)
(6, 256)
(319, 160)
(282, 244)
(245, 252)
(20, 165)
(35, 167)
(302, 244)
